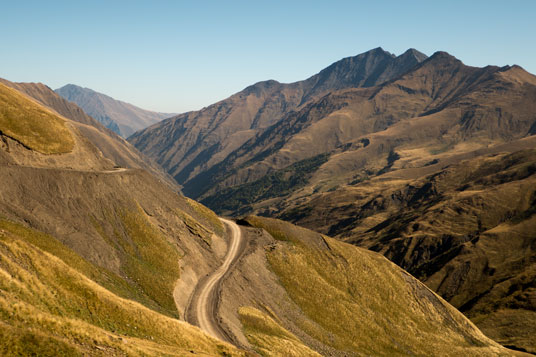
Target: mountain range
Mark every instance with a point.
(122, 118)
(101, 258)
(423, 159)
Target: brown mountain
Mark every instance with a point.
(192, 143)
(359, 130)
(466, 229)
(89, 251)
(120, 117)
(320, 164)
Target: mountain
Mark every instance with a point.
(101, 260)
(323, 164)
(192, 143)
(122, 118)
(439, 105)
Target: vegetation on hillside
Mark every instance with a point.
(269, 338)
(31, 124)
(149, 262)
(49, 308)
(357, 301)
(275, 184)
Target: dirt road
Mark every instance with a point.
(205, 297)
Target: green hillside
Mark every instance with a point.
(31, 124)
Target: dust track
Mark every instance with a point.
(204, 302)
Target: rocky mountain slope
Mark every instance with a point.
(190, 144)
(97, 260)
(440, 108)
(322, 163)
(122, 118)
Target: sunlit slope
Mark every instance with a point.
(438, 111)
(127, 222)
(192, 144)
(32, 125)
(122, 234)
(269, 337)
(49, 306)
(350, 301)
(111, 146)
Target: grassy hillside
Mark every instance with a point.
(32, 125)
(269, 337)
(127, 223)
(89, 255)
(112, 147)
(358, 303)
(150, 262)
(50, 307)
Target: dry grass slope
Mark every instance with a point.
(49, 308)
(207, 215)
(358, 302)
(31, 124)
(269, 337)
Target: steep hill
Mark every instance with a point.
(467, 231)
(440, 108)
(385, 139)
(89, 252)
(296, 291)
(192, 143)
(123, 118)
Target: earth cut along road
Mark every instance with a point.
(205, 297)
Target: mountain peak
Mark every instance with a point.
(442, 55)
(413, 53)
(379, 51)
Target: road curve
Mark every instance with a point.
(206, 296)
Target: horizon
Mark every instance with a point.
(176, 57)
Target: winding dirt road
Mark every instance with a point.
(205, 297)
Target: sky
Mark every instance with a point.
(177, 56)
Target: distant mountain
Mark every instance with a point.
(192, 143)
(123, 118)
(354, 151)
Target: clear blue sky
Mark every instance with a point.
(175, 56)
